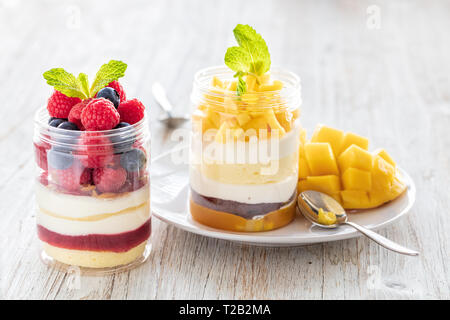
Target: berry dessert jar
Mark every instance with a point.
(244, 149)
(92, 196)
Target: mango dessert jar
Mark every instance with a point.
(244, 150)
(92, 196)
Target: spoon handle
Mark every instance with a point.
(382, 241)
(160, 96)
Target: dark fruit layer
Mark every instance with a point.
(244, 210)
(119, 242)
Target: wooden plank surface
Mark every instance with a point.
(389, 83)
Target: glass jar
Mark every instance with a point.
(244, 150)
(92, 196)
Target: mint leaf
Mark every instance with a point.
(241, 87)
(84, 83)
(65, 83)
(107, 73)
(238, 59)
(254, 44)
(251, 57)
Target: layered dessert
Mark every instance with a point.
(244, 150)
(92, 190)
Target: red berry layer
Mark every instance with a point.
(120, 242)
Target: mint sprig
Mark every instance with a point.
(107, 73)
(251, 57)
(72, 86)
(241, 87)
(65, 82)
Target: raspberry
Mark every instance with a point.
(41, 155)
(131, 111)
(94, 150)
(68, 179)
(75, 113)
(86, 176)
(118, 87)
(43, 178)
(109, 179)
(99, 114)
(59, 105)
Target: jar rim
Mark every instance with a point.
(202, 84)
(58, 136)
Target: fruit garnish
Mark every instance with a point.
(78, 87)
(251, 57)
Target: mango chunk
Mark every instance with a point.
(352, 138)
(271, 119)
(356, 179)
(382, 174)
(333, 136)
(355, 199)
(303, 170)
(321, 160)
(382, 153)
(327, 184)
(355, 157)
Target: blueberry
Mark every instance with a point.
(122, 125)
(123, 140)
(133, 160)
(67, 125)
(65, 139)
(110, 94)
(55, 122)
(59, 160)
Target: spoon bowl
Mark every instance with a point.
(313, 205)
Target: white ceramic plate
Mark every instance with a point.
(170, 190)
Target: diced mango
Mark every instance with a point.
(232, 86)
(382, 153)
(275, 86)
(243, 118)
(256, 123)
(327, 184)
(265, 78)
(214, 117)
(333, 136)
(251, 82)
(269, 115)
(321, 160)
(356, 179)
(352, 138)
(353, 199)
(303, 170)
(382, 174)
(367, 179)
(355, 157)
(285, 119)
(216, 82)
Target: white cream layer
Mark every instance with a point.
(72, 206)
(119, 223)
(252, 194)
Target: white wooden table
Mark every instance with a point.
(386, 78)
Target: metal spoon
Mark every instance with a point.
(168, 119)
(309, 203)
